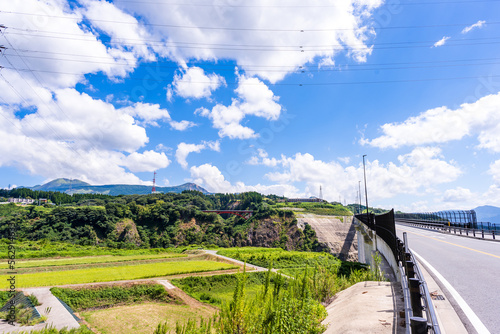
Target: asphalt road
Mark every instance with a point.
(471, 266)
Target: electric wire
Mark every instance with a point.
(301, 30)
(298, 50)
(149, 79)
(146, 41)
(294, 70)
(44, 85)
(296, 6)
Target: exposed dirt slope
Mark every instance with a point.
(339, 235)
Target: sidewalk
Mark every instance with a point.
(366, 307)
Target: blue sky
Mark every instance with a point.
(277, 96)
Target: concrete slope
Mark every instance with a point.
(339, 235)
(366, 307)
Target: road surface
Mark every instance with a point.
(470, 266)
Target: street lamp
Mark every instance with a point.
(366, 190)
(359, 197)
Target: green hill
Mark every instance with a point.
(79, 187)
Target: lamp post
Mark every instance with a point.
(359, 197)
(366, 190)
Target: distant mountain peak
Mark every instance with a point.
(74, 186)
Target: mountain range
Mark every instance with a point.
(79, 187)
(488, 213)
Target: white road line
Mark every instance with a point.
(473, 318)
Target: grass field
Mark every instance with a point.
(142, 318)
(316, 208)
(93, 259)
(217, 290)
(280, 258)
(115, 273)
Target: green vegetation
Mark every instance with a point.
(116, 273)
(318, 208)
(80, 299)
(148, 221)
(279, 258)
(356, 209)
(96, 259)
(51, 330)
(281, 305)
(49, 249)
(4, 297)
(217, 290)
(22, 315)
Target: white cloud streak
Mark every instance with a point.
(441, 42)
(478, 24)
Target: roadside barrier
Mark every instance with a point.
(420, 316)
(490, 234)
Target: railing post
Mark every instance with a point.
(415, 296)
(410, 271)
(418, 325)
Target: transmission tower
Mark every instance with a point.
(154, 183)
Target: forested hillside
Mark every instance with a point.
(156, 221)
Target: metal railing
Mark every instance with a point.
(482, 233)
(416, 294)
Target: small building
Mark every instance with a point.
(21, 200)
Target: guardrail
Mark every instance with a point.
(459, 230)
(416, 295)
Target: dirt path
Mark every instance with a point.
(338, 235)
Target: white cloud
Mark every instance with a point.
(254, 98)
(494, 171)
(440, 125)
(104, 16)
(459, 194)
(441, 42)
(151, 113)
(417, 171)
(262, 159)
(260, 39)
(182, 125)
(478, 24)
(66, 59)
(194, 83)
(184, 149)
(148, 161)
(81, 138)
(212, 179)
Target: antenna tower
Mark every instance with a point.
(154, 183)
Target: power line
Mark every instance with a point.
(242, 29)
(178, 44)
(294, 6)
(286, 67)
(298, 70)
(288, 84)
(43, 85)
(300, 49)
